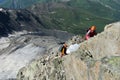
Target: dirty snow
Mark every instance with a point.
(10, 64)
(4, 42)
(20, 48)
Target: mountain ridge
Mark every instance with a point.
(97, 59)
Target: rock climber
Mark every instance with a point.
(63, 50)
(90, 32)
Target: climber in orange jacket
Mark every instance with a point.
(63, 50)
(90, 32)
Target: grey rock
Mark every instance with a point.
(97, 59)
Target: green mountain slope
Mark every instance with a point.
(67, 18)
(103, 8)
(17, 3)
(113, 4)
(74, 16)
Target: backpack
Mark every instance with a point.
(60, 48)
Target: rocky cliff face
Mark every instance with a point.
(18, 20)
(96, 59)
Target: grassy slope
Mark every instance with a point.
(74, 20)
(115, 4)
(96, 8)
(82, 15)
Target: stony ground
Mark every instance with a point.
(96, 59)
